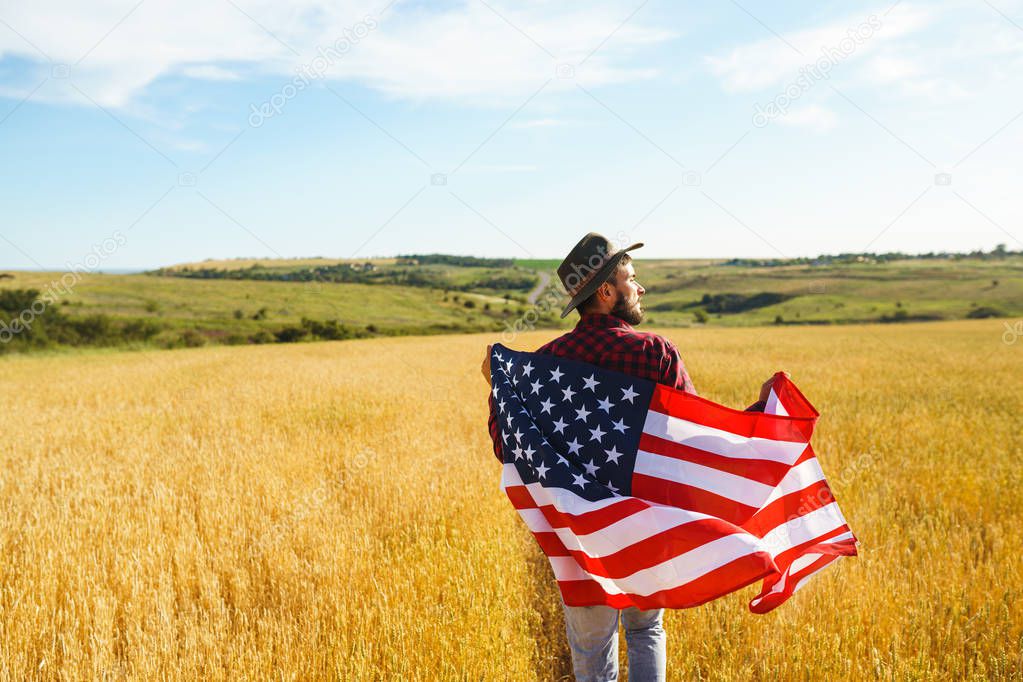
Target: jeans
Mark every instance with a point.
(593, 638)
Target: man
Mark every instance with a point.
(603, 288)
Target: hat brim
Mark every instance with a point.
(598, 279)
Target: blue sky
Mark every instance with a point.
(231, 128)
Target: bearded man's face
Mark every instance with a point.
(628, 306)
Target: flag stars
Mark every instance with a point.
(527, 369)
(494, 391)
(536, 387)
(629, 394)
(579, 480)
(620, 426)
(528, 452)
(556, 375)
(518, 452)
(591, 468)
(582, 414)
(569, 393)
(574, 446)
(591, 383)
(559, 426)
(605, 405)
(596, 434)
(612, 488)
(613, 454)
(542, 470)
(517, 436)
(546, 406)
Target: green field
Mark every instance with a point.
(243, 301)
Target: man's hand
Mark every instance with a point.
(485, 368)
(765, 390)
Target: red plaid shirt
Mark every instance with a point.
(610, 342)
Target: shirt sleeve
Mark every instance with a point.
(673, 370)
(495, 432)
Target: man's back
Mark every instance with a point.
(611, 343)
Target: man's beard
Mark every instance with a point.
(630, 312)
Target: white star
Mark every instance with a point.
(508, 420)
(556, 375)
(596, 434)
(629, 393)
(498, 356)
(620, 425)
(562, 460)
(582, 413)
(500, 406)
(559, 426)
(517, 435)
(591, 468)
(547, 405)
(578, 480)
(509, 367)
(573, 447)
(612, 488)
(518, 452)
(591, 383)
(494, 391)
(527, 368)
(605, 405)
(536, 387)
(528, 452)
(542, 470)
(568, 393)
(613, 454)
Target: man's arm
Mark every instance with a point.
(492, 426)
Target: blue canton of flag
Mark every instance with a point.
(565, 426)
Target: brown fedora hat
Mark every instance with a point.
(587, 266)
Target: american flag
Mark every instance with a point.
(647, 496)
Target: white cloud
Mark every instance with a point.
(814, 117)
(210, 72)
(773, 62)
(464, 50)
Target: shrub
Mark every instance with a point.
(192, 339)
(984, 312)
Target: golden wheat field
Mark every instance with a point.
(332, 511)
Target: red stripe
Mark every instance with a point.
(792, 398)
(789, 507)
(655, 549)
(760, 470)
(770, 601)
(820, 545)
(747, 424)
(732, 576)
(663, 491)
(582, 524)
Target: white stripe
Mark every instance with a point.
(626, 532)
(797, 478)
(774, 405)
(563, 500)
(666, 575)
(719, 442)
(804, 528)
(806, 578)
(802, 562)
(739, 488)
